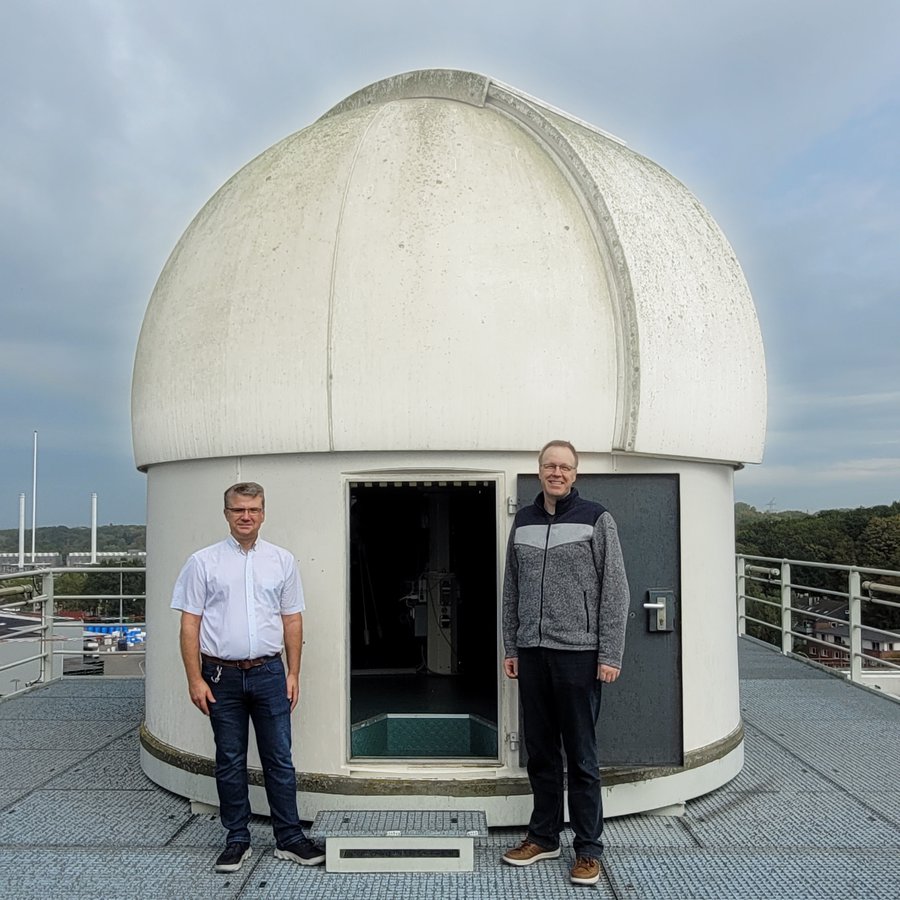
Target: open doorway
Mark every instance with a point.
(423, 619)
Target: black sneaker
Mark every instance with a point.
(303, 851)
(232, 857)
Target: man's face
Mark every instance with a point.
(245, 515)
(557, 471)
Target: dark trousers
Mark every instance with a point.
(560, 697)
(258, 694)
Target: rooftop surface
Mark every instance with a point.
(815, 812)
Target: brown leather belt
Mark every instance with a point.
(239, 663)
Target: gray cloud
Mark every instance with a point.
(120, 120)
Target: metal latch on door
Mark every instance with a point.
(660, 606)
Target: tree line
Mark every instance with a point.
(866, 536)
(63, 539)
(112, 594)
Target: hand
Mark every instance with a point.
(201, 695)
(293, 690)
(511, 666)
(607, 673)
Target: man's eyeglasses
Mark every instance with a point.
(552, 467)
(253, 511)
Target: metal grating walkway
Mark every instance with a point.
(815, 813)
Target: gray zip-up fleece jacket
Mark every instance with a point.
(565, 586)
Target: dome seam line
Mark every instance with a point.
(329, 346)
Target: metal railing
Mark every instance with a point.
(806, 607)
(777, 602)
(38, 644)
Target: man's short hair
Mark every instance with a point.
(565, 444)
(247, 489)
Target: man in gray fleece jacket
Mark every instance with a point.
(565, 606)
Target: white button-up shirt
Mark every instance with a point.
(241, 597)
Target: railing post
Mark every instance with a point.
(48, 607)
(787, 639)
(741, 594)
(855, 624)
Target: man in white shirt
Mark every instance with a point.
(241, 603)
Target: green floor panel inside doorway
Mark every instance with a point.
(423, 735)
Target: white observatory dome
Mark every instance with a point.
(381, 319)
(426, 266)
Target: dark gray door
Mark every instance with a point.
(640, 720)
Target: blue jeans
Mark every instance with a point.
(258, 694)
(560, 697)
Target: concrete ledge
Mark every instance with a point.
(505, 800)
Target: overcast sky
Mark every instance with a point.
(120, 119)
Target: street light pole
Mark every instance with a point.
(33, 496)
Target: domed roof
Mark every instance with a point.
(444, 263)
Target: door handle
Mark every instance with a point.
(660, 606)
